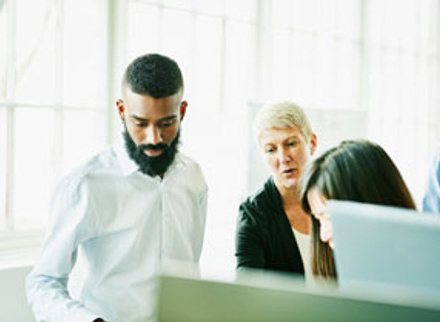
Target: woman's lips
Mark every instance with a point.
(288, 172)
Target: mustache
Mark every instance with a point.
(152, 147)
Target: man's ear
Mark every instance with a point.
(121, 108)
(182, 111)
(313, 143)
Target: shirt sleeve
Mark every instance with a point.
(46, 286)
(249, 251)
(431, 198)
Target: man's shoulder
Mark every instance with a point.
(101, 162)
(189, 163)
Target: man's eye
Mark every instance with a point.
(269, 150)
(292, 143)
(141, 124)
(167, 124)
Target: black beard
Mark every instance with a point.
(151, 166)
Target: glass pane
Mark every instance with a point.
(178, 33)
(282, 11)
(325, 72)
(408, 24)
(348, 21)
(183, 4)
(376, 80)
(348, 82)
(216, 7)
(238, 82)
(281, 75)
(36, 56)
(3, 155)
(143, 29)
(428, 34)
(34, 164)
(243, 9)
(204, 88)
(304, 15)
(85, 52)
(325, 17)
(375, 20)
(303, 65)
(83, 136)
(3, 52)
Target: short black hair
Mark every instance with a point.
(155, 75)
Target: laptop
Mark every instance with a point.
(382, 246)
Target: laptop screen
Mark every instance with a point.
(385, 245)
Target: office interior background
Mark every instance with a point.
(360, 68)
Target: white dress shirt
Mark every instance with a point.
(125, 225)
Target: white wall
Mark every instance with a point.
(13, 302)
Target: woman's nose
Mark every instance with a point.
(283, 156)
(326, 231)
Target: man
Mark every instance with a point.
(126, 211)
(431, 197)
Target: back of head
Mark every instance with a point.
(357, 170)
(282, 115)
(155, 75)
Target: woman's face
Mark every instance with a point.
(286, 153)
(318, 206)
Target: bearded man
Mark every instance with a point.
(126, 211)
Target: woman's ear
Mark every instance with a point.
(313, 143)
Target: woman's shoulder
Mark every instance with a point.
(262, 202)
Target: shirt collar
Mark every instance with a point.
(128, 166)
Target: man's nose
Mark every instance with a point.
(153, 135)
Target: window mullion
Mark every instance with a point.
(59, 89)
(11, 17)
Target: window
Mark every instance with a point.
(360, 68)
(53, 96)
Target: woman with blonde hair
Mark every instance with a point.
(356, 170)
(272, 229)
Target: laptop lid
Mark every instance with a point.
(385, 245)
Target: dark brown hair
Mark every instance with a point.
(357, 170)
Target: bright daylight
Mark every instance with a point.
(219, 160)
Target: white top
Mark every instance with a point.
(126, 224)
(303, 242)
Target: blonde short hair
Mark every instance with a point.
(282, 115)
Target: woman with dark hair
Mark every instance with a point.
(356, 170)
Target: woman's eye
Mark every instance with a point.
(292, 143)
(269, 150)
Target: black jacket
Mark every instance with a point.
(264, 238)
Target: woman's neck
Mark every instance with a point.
(298, 218)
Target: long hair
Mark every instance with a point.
(356, 170)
